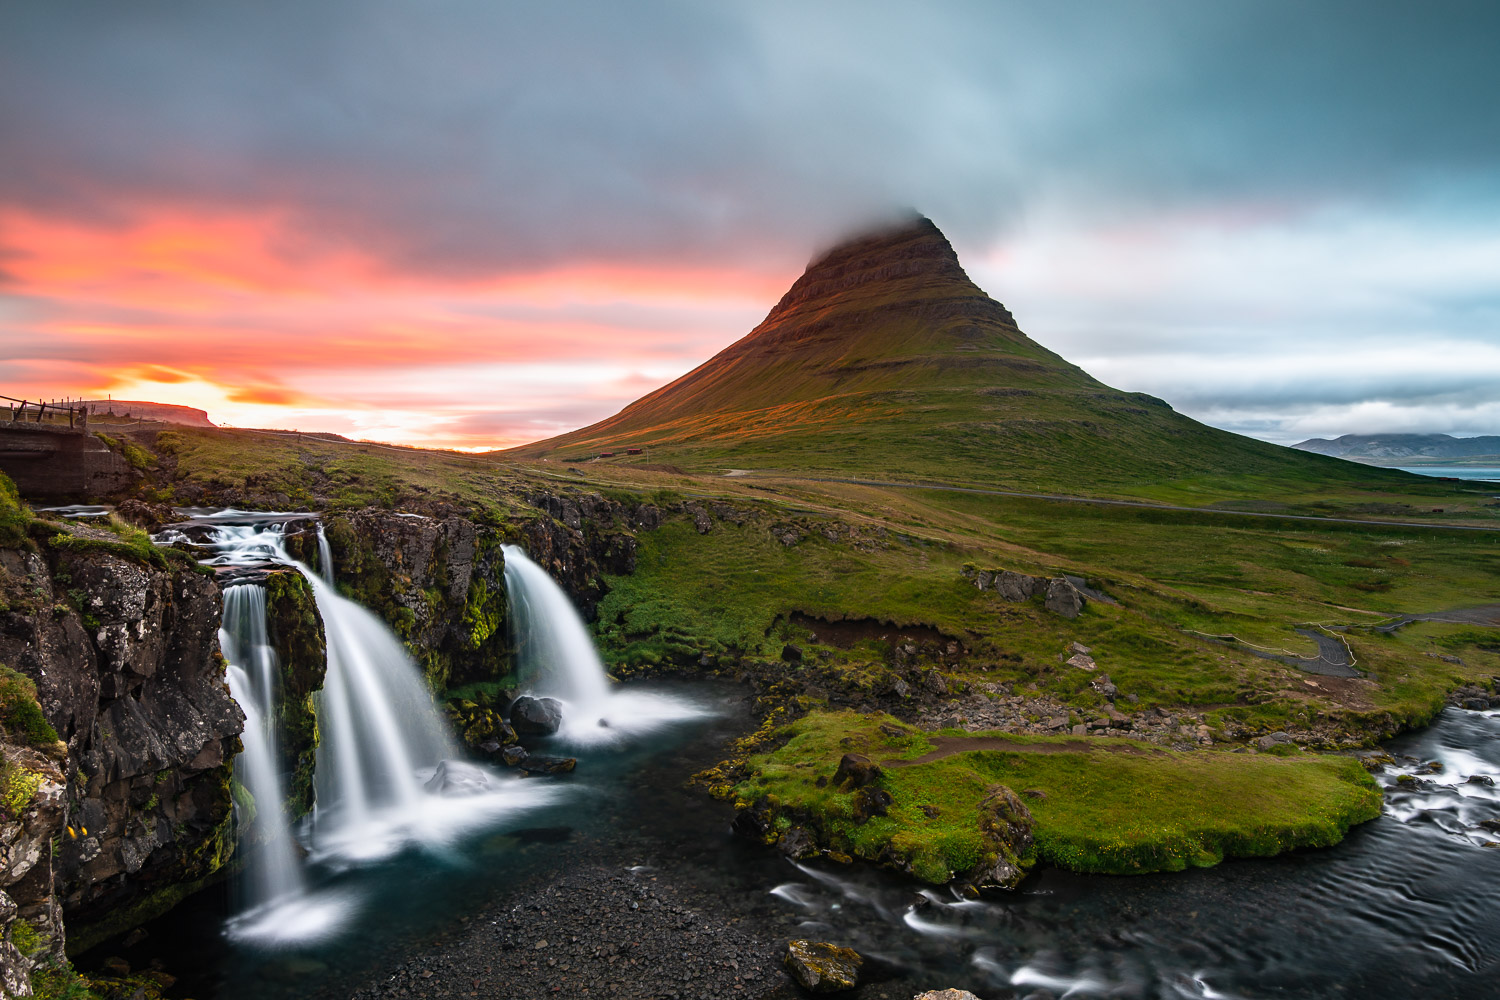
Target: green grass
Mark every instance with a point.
(1131, 809)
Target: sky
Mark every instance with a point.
(471, 224)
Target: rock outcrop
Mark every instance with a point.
(124, 654)
(296, 632)
(31, 818)
(820, 967)
(1005, 823)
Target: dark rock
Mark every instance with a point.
(512, 756)
(1005, 823)
(1476, 704)
(855, 771)
(1272, 740)
(820, 967)
(796, 843)
(1481, 779)
(948, 994)
(538, 764)
(870, 802)
(1063, 598)
(536, 716)
(791, 654)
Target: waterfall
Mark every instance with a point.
(556, 654)
(325, 557)
(555, 646)
(381, 732)
(274, 871)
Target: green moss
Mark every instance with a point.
(15, 519)
(1118, 806)
(132, 543)
(25, 937)
(61, 982)
(138, 457)
(296, 633)
(21, 715)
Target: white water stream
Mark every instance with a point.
(555, 650)
(388, 774)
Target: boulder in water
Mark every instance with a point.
(948, 994)
(536, 716)
(539, 764)
(820, 967)
(454, 777)
(513, 756)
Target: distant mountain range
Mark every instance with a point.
(1385, 447)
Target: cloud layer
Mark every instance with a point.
(472, 224)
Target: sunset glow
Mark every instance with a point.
(238, 316)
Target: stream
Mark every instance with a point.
(1403, 908)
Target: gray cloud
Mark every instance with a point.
(468, 138)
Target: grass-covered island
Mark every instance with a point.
(1114, 806)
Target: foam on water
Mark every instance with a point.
(556, 655)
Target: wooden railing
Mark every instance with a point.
(52, 412)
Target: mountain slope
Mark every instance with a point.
(884, 359)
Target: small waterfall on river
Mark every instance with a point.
(275, 871)
(557, 655)
(380, 731)
(325, 557)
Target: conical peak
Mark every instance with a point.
(913, 250)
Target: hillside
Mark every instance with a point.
(142, 410)
(885, 360)
(1378, 447)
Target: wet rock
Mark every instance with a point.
(948, 994)
(1063, 599)
(796, 843)
(1005, 823)
(1476, 704)
(536, 716)
(512, 756)
(1481, 779)
(821, 967)
(856, 771)
(454, 777)
(539, 764)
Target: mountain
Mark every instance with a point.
(1393, 446)
(141, 410)
(885, 359)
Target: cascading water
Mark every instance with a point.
(557, 655)
(274, 872)
(387, 772)
(325, 557)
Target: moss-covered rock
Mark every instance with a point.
(296, 632)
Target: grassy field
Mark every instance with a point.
(1101, 805)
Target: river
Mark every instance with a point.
(1403, 908)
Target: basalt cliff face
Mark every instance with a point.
(125, 659)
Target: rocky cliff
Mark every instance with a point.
(122, 645)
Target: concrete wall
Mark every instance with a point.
(55, 463)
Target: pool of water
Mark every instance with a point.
(1403, 908)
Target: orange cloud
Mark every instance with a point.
(242, 314)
